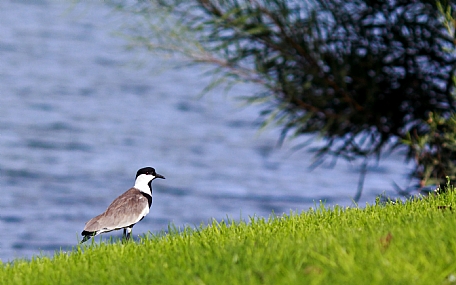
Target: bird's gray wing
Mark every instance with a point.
(126, 210)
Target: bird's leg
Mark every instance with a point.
(127, 233)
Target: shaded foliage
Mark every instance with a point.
(433, 145)
(435, 151)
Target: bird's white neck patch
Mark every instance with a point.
(142, 182)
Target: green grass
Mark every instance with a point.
(404, 243)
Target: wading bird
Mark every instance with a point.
(127, 209)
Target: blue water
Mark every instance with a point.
(78, 117)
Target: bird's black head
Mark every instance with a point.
(149, 171)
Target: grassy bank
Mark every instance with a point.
(402, 243)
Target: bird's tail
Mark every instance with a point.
(87, 235)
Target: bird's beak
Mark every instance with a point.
(159, 176)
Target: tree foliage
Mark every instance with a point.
(435, 151)
(362, 74)
(433, 147)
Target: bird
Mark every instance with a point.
(127, 209)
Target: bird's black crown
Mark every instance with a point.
(146, 170)
(149, 170)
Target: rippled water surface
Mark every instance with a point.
(78, 118)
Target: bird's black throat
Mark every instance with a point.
(149, 197)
